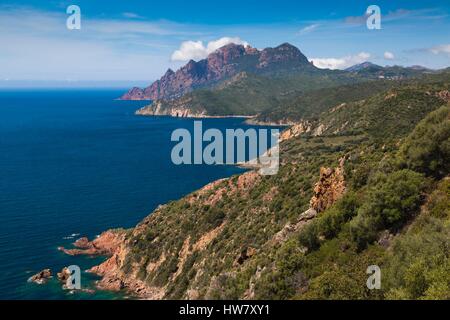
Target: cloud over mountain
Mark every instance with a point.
(340, 63)
(389, 55)
(196, 50)
(445, 48)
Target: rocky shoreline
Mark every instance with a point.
(159, 108)
(116, 245)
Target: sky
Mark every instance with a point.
(138, 40)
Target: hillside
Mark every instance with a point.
(367, 184)
(311, 104)
(370, 70)
(246, 94)
(275, 85)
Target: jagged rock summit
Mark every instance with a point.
(222, 64)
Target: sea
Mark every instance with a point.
(74, 163)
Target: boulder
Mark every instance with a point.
(41, 277)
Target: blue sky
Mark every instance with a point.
(138, 40)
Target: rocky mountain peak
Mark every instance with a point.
(363, 66)
(287, 46)
(222, 64)
(227, 53)
(169, 72)
(285, 53)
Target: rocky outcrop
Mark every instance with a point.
(41, 277)
(291, 228)
(63, 275)
(177, 108)
(296, 130)
(245, 254)
(105, 244)
(111, 243)
(229, 187)
(444, 95)
(329, 188)
(220, 65)
(114, 278)
(134, 94)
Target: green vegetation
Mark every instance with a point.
(289, 96)
(242, 237)
(428, 148)
(312, 103)
(251, 94)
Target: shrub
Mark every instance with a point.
(391, 201)
(439, 201)
(330, 222)
(427, 149)
(419, 266)
(394, 198)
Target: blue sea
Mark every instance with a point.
(75, 163)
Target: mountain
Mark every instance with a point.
(364, 66)
(220, 65)
(312, 103)
(271, 79)
(247, 94)
(371, 70)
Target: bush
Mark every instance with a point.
(363, 230)
(439, 201)
(330, 222)
(427, 149)
(418, 266)
(394, 198)
(334, 285)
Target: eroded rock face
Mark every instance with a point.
(329, 188)
(63, 275)
(219, 65)
(115, 279)
(178, 109)
(245, 254)
(296, 130)
(105, 244)
(444, 95)
(134, 94)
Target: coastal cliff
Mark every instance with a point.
(179, 109)
(119, 274)
(361, 185)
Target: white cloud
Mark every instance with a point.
(196, 50)
(309, 28)
(389, 55)
(131, 15)
(340, 63)
(445, 48)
